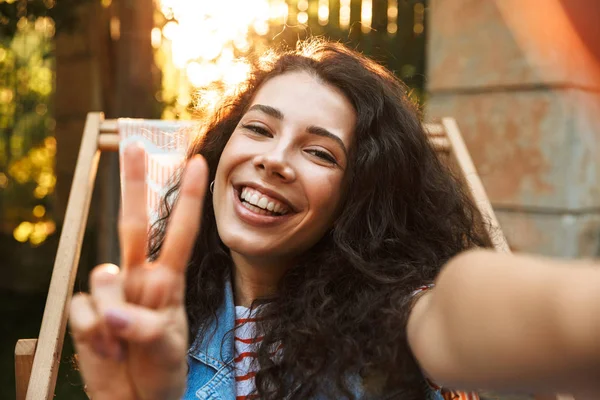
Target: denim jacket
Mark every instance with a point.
(211, 375)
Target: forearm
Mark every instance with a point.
(512, 323)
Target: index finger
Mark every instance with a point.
(133, 222)
(184, 223)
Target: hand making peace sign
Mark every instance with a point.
(131, 331)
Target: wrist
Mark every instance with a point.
(175, 383)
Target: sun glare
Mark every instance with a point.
(205, 42)
(201, 45)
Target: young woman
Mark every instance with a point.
(328, 219)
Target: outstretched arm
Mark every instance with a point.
(511, 323)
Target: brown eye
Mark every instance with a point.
(323, 155)
(258, 130)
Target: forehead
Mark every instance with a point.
(304, 99)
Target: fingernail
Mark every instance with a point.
(106, 276)
(117, 319)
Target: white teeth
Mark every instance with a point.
(253, 208)
(262, 203)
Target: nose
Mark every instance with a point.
(274, 165)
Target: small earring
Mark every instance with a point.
(212, 187)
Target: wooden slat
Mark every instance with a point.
(109, 126)
(434, 129)
(52, 332)
(440, 144)
(464, 161)
(108, 142)
(24, 352)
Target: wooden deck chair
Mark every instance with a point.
(37, 360)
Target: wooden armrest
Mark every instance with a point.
(24, 352)
(108, 142)
(475, 187)
(434, 129)
(440, 144)
(54, 322)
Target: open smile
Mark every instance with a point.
(259, 209)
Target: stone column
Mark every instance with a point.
(522, 78)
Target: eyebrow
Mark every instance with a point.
(315, 130)
(273, 112)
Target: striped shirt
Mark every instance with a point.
(246, 352)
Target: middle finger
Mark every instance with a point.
(185, 220)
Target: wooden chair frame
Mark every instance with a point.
(37, 360)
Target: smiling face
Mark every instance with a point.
(279, 182)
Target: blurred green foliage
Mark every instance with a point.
(27, 147)
(62, 12)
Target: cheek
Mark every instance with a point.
(324, 195)
(232, 153)
(227, 163)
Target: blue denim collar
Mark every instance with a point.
(217, 346)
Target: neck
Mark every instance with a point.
(254, 279)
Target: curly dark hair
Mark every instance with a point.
(342, 310)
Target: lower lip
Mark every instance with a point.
(252, 218)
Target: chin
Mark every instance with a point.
(249, 248)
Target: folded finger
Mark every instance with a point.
(84, 321)
(86, 328)
(106, 287)
(184, 223)
(137, 324)
(133, 223)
